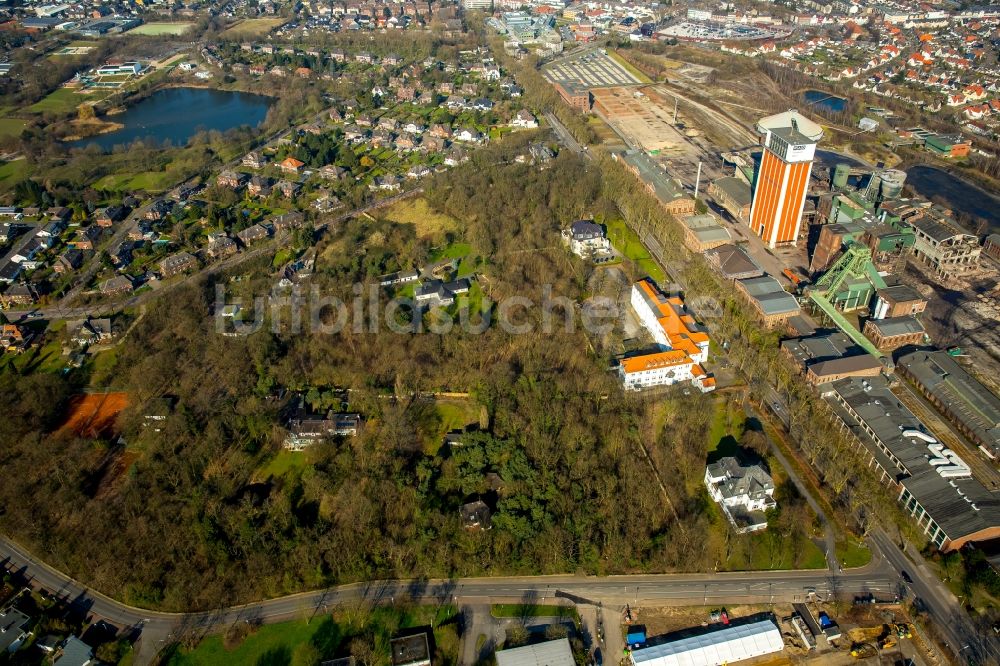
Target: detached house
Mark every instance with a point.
(524, 119)
(744, 492)
(252, 234)
(291, 165)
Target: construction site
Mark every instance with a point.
(867, 631)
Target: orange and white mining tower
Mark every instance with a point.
(789, 141)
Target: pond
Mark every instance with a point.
(177, 114)
(819, 99)
(958, 194)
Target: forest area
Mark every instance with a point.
(200, 528)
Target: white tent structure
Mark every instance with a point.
(714, 648)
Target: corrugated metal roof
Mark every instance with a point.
(550, 653)
(734, 643)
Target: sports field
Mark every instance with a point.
(94, 414)
(158, 29)
(257, 27)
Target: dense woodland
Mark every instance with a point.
(188, 510)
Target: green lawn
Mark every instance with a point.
(532, 610)
(629, 67)
(156, 29)
(63, 100)
(627, 242)
(11, 126)
(147, 180)
(329, 635)
(453, 251)
(257, 27)
(283, 463)
(13, 172)
(102, 366)
(852, 553)
(457, 413)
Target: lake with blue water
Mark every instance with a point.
(177, 114)
(823, 100)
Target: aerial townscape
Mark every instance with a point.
(499, 333)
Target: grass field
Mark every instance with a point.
(11, 126)
(282, 464)
(63, 100)
(451, 251)
(418, 213)
(627, 242)
(151, 181)
(257, 27)
(329, 636)
(13, 172)
(852, 553)
(629, 67)
(456, 413)
(156, 29)
(532, 610)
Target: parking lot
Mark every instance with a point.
(592, 70)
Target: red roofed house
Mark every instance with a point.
(291, 165)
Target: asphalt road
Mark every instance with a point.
(159, 628)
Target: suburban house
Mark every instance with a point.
(287, 222)
(291, 165)
(89, 331)
(745, 492)
(14, 338)
(220, 246)
(681, 344)
(476, 515)
(70, 260)
(105, 217)
(116, 286)
(74, 652)
(230, 179)
(259, 186)
(253, 160)
(288, 189)
(306, 430)
(252, 234)
(587, 239)
(19, 294)
(13, 629)
(525, 119)
(437, 292)
(177, 263)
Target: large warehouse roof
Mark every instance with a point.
(714, 648)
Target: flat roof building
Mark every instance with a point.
(829, 357)
(892, 333)
(703, 232)
(932, 483)
(972, 407)
(774, 305)
(549, 653)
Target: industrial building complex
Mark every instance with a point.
(932, 483)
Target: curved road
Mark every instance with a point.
(157, 629)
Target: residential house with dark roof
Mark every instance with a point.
(745, 492)
(177, 263)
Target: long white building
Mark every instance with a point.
(714, 648)
(683, 345)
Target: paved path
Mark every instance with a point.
(829, 532)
